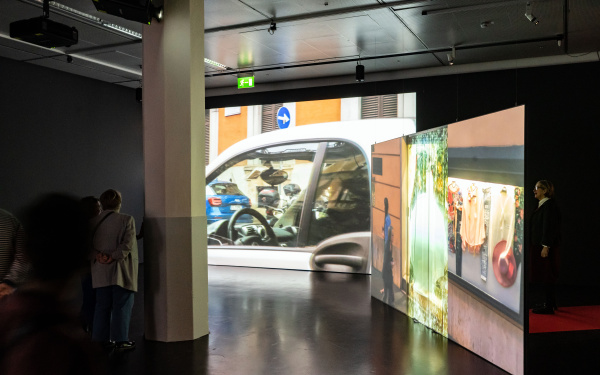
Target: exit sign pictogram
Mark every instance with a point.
(246, 82)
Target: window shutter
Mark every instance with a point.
(381, 106)
(369, 107)
(389, 106)
(269, 117)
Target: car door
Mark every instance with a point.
(339, 221)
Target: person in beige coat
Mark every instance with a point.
(114, 272)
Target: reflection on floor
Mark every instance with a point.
(267, 321)
(400, 297)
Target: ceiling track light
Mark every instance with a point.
(530, 15)
(272, 28)
(215, 64)
(360, 72)
(451, 56)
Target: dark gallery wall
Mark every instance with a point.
(562, 142)
(65, 133)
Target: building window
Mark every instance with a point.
(380, 106)
(269, 117)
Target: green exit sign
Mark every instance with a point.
(246, 82)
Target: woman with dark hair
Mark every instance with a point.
(545, 240)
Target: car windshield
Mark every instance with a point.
(262, 177)
(224, 188)
(276, 182)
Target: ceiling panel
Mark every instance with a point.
(118, 58)
(78, 68)
(222, 81)
(302, 51)
(228, 12)
(509, 52)
(301, 30)
(316, 33)
(6, 41)
(286, 75)
(15, 54)
(131, 84)
(84, 64)
(290, 8)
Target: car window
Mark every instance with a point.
(342, 199)
(274, 180)
(226, 189)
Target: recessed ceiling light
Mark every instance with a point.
(216, 64)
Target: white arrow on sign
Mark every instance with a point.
(283, 118)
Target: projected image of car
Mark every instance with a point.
(310, 192)
(223, 199)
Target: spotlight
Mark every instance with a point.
(530, 15)
(360, 72)
(272, 28)
(158, 13)
(451, 56)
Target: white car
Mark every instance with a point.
(310, 193)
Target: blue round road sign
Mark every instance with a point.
(283, 118)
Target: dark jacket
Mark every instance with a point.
(545, 231)
(545, 225)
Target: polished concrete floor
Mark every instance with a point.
(267, 321)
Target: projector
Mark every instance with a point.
(134, 10)
(44, 32)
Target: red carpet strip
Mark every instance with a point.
(576, 318)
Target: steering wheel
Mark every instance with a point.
(270, 239)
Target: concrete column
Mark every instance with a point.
(176, 282)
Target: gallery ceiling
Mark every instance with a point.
(316, 40)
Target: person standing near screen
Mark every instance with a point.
(114, 273)
(388, 260)
(545, 241)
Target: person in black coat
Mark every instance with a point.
(544, 244)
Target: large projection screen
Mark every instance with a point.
(305, 168)
(447, 232)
